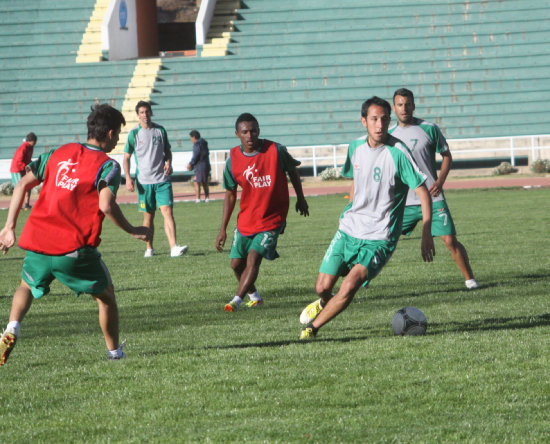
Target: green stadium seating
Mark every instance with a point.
(477, 68)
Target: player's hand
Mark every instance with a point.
(142, 233)
(189, 167)
(436, 189)
(428, 248)
(168, 169)
(302, 207)
(130, 184)
(220, 240)
(7, 239)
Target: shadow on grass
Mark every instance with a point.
(283, 343)
(489, 324)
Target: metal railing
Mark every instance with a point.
(322, 156)
(318, 157)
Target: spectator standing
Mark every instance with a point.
(200, 162)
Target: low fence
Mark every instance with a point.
(318, 157)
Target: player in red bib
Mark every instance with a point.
(61, 235)
(259, 167)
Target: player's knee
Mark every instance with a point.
(450, 242)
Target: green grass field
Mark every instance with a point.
(195, 373)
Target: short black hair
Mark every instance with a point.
(31, 137)
(245, 117)
(143, 103)
(404, 92)
(374, 100)
(102, 119)
(195, 134)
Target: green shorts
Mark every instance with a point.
(345, 251)
(16, 177)
(154, 196)
(82, 271)
(264, 243)
(442, 222)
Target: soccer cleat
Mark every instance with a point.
(252, 304)
(27, 207)
(232, 306)
(206, 200)
(310, 312)
(178, 250)
(6, 346)
(197, 201)
(308, 334)
(149, 252)
(471, 284)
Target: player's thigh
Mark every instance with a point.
(146, 198)
(164, 194)
(82, 271)
(37, 273)
(442, 222)
(411, 216)
(373, 256)
(265, 244)
(334, 262)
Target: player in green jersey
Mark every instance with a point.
(424, 140)
(149, 144)
(382, 171)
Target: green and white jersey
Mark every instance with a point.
(149, 147)
(381, 178)
(423, 139)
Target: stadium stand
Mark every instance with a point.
(478, 69)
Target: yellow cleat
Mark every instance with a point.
(308, 334)
(311, 312)
(252, 304)
(6, 346)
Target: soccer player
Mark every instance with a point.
(149, 144)
(370, 225)
(424, 140)
(63, 231)
(258, 166)
(20, 160)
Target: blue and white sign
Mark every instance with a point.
(123, 14)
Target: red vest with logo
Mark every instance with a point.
(66, 216)
(264, 197)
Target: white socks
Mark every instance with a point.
(14, 327)
(237, 301)
(255, 296)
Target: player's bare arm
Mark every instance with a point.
(427, 246)
(126, 165)
(109, 207)
(437, 187)
(301, 203)
(228, 207)
(7, 235)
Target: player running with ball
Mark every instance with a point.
(370, 225)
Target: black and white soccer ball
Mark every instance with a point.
(409, 321)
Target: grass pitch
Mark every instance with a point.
(195, 373)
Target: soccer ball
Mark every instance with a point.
(409, 321)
